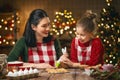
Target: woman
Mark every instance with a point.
(37, 45)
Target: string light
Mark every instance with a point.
(108, 2)
(97, 36)
(6, 28)
(98, 25)
(107, 41)
(63, 20)
(62, 14)
(63, 24)
(51, 33)
(2, 20)
(102, 19)
(61, 31)
(67, 22)
(118, 39)
(113, 29)
(104, 40)
(53, 25)
(104, 10)
(102, 24)
(56, 13)
(11, 29)
(57, 33)
(4, 40)
(112, 25)
(106, 60)
(102, 32)
(118, 31)
(12, 16)
(12, 25)
(17, 13)
(110, 55)
(74, 21)
(107, 26)
(5, 22)
(13, 42)
(108, 18)
(0, 26)
(74, 29)
(13, 21)
(113, 57)
(55, 20)
(7, 42)
(111, 62)
(70, 32)
(110, 45)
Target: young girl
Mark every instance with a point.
(37, 47)
(86, 49)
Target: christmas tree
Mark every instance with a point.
(63, 27)
(109, 32)
(8, 28)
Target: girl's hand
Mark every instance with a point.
(63, 58)
(68, 62)
(95, 67)
(83, 66)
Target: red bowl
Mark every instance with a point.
(15, 63)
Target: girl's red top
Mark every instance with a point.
(96, 52)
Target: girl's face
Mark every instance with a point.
(43, 28)
(83, 35)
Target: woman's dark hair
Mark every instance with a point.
(34, 19)
(88, 21)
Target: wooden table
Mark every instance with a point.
(73, 74)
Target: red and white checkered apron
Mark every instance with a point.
(43, 53)
(83, 53)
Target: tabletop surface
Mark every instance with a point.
(72, 74)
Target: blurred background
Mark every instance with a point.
(63, 15)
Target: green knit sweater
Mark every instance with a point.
(21, 50)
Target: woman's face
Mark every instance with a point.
(43, 28)
(83, 35)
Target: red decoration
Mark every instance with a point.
(9, 36)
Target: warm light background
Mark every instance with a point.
(77, 7)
